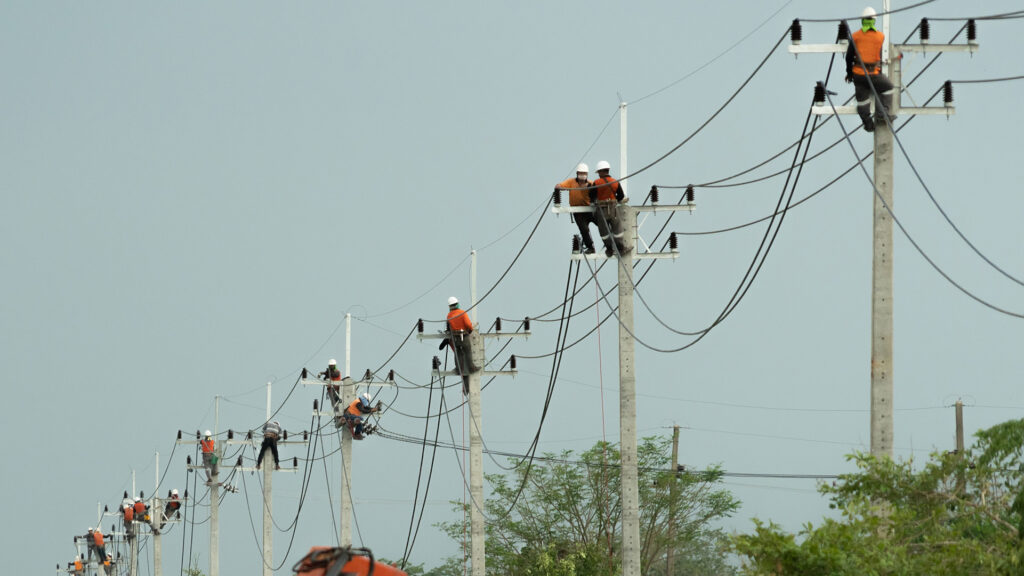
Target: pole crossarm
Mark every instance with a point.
(348, 381)
(482, 373)
(443, 335)
(970, 48)
(818, 48)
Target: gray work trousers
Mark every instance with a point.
(862, 91)
(609, 225)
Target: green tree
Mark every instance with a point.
(960, 514)
(565, 520)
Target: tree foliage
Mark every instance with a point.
(560, 516)
(960, 514)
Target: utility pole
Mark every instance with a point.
(154, 510)
(882, 381)
(268, 471)
(476, 460)
(630, 493)
(348, 395)
(672, 500)
(961, 481)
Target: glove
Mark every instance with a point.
(849, 77)
(443, 344)
(619, 194)
(380, 404)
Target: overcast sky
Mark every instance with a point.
(193, 196)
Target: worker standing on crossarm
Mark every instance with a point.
(333, 375)
(357, 411)
(128, 512)
(98, 544)
(171, 507)
(140, 510)
(209, 456)
(864, 69)
(608, 193)
(271, 432)
(77, 567)
(459, 329)
(577, 188)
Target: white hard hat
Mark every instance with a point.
(90, 528)
(137, 499)
(174, 492)
(452, 301)
(868, 12)
(366, 395)
(582, 168)
(332, 362)
(208, 433)
(603, 165)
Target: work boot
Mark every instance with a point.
(609, 251)
(589, 250)
(869, 125)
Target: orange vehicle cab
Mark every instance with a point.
(328, 561)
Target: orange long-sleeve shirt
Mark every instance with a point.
(607, 188)
(577, 191)
(459, 320)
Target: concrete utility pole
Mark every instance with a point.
(268, 478)
(630, 493)
(348, 395)
(154, 523)
(672, 500)
(476, 459)
(882, 382)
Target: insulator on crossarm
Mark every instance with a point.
(526, 324)
(304, 373)
(689, 194)
(972, 32)
(105, 509)
(419, 325)
(557, 196)
(391, 375)
(796, 33)
(231, 434)
(295, 461)
(188, 460)
(654, 194)
(126, 492)
(819, 94)
(497, 324)
(284, 434)
(197, 435)
(925, 31)
(436, 363)
(947, 93)
(575, 244)
(142, 495)
(305, 435)
(367, 376)
(843, 37)
(238, 462)
(316, 405)
(512, 361)
(673, 242)
(179, 434)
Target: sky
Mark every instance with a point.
(194, 195)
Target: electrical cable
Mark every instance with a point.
(426, 491)
(907, 235)
(419, 475)
(896, 11)
(987, 80)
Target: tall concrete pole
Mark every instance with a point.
(133, 553)
(155, 512)
(215, 496)
(959, 428)
(268, 521)
(348, 393)
(476, 460)
(672, 500)
(622, 144)
(630, 499)
(882, 286)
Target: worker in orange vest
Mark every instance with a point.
(209, 456)
(356, 412)
(108, 565)
(78, 568)
(577, 188)
(459, 329)
(171, 507)
(607, 194)
(97, 544)
(140, 509)
(128, 513)
(864, 69)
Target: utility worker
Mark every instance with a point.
(209, 456)
(140, 509)
(77, 566)
(90, 544)
(864, 69)
(171, 507)
(129, 519)
(98, 544)
(271, 431)
(577, 188)
(607, 193)
(334, 375)
(355, 413)
(459, 329)
(108, 564)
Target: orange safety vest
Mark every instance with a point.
(577, 192)
(78, 564)
(869, 46)
(353, 408)
(207, 446)
(140, 507)
(97, 537)
(607, 187)
(129, 514)
(459, 320)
